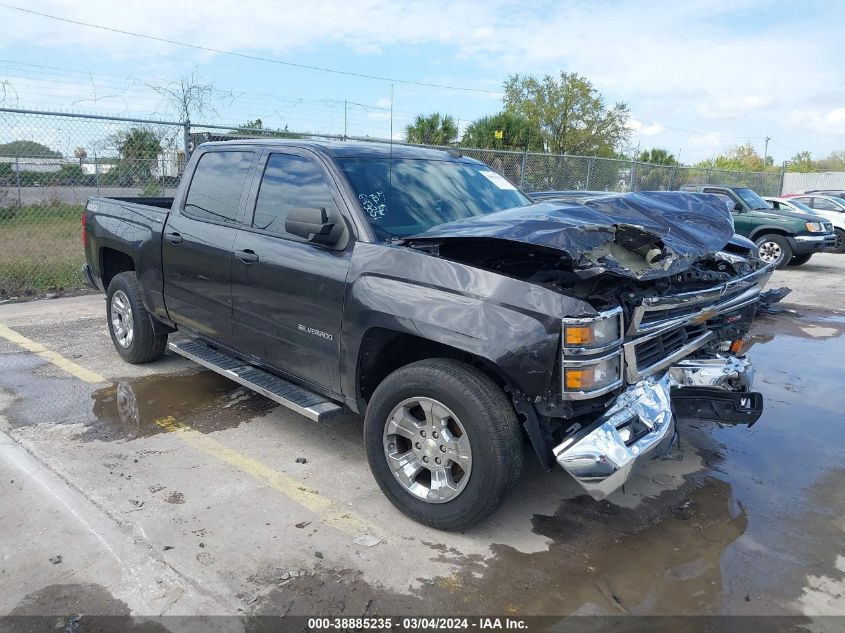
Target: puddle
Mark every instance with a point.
(204, 400)
(757, 531)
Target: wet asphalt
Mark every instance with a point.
(740, 521)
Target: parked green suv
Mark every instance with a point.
(782, 237)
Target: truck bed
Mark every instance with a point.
(161, 203)
(128, 225)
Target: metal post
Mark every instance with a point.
(344, 119)
(590, 164)
(96, 172)
(633, 172)
(782, 176)
(522, 169)
(186, 139)
(669, 184)
(18, 178)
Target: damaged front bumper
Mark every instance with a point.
(640, 424)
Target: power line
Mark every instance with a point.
(270, 60)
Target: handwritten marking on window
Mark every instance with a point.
(374, 204)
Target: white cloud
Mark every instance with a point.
(831, 122)
(645, 129)
(680, 63)
(733, 107)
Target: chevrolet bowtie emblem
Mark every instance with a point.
(703, 317)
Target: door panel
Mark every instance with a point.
(288, 306)
(287, 292)
(198, 276)
(197, 243)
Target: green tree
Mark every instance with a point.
(517, 133)
(657, 156)
(569, 112)
(802, 161)
(28, 149)
(256, 129)
(740, 158)
(140, 148)
(835, 161)
(433, 129)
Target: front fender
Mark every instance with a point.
(513, 325)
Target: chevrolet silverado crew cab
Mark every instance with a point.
(423, 290)
(783, 238)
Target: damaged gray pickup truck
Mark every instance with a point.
(422, 289)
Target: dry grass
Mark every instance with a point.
(40, 248)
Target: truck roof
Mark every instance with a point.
(695, 188)
(354, 149)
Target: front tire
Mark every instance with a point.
(800, 260)
(839, 244)
(443, 442)
(130, 325)
(774, 249)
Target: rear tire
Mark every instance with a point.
(447, 409)
(130, 325)
(799, 260)
(774, 249)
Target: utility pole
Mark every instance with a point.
(344, 119)
(766, 139)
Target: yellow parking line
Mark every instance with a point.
(329, 512)
(50, 356)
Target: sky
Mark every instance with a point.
(698, 76)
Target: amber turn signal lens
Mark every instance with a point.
(577, 379)
(579, 335)
(736, 346)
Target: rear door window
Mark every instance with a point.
(823, 204)
(217, 185)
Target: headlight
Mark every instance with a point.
(589, 378)
(591, 355)
(592, 335)
(814, 227)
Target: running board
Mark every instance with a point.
(287, 394)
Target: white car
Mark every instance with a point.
(829, 207)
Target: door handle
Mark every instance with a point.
(247, 256)
(174, 238)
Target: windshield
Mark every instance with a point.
(794, 205)
(752, 199)
(425, 193)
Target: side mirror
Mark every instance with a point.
(738, 207)
(312, 225)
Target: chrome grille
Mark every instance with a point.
(663, 330)
(652, 350)
(657, 313)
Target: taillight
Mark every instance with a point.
(84, 231)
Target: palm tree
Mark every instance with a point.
(434, 129)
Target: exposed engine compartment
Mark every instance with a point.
(553, 269)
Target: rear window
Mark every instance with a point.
(215, 191)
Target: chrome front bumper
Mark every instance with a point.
(640, 424)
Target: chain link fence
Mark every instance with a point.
(51, 163)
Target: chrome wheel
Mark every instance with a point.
(427, 449)
(121, 319)
(770, 252)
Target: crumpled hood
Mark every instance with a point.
(641, 235)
